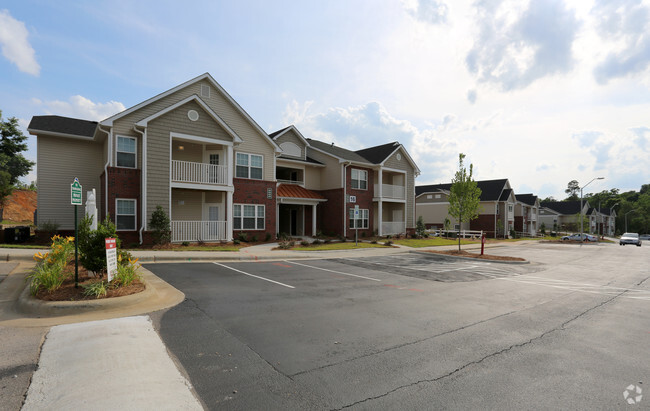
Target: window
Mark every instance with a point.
(125, 214)
(126, 150)
(249, 166)
(359, 179)
(248, 217)
(362, 221)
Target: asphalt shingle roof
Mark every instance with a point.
(529, 199)
(378, 154)
(491, 190)
(309, 160)
(275, 133)
(337, 151)
(63, 125)
(563, 207)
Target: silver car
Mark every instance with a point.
(630, 238)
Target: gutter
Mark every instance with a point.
(109, 158)
(143, 183)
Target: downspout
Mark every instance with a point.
(143, 183)
(109, 157)
(345, 199)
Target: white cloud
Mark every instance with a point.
(429, 11)
(81, 107)
(518, 43)
(15, 45)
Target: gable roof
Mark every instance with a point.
(506, 193)
(336, 151)
(206, 76)
(378, 154)
(564, 207)
(491, 190)
(529, 199)
(62, 126)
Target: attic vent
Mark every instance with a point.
(399, 156)
(205, 91)
(193, 115)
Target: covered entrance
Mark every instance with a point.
(296, 211)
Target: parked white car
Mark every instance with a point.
(630, 238)
(580, 237)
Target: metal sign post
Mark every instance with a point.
(356, 225)
(76, 200)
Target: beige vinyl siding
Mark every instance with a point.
(59, 161)
(191, 151)
(158, 143)
(291, 137)
(192, 207)
(313, 178)
(330, 176)
(254, 141)
(435, 213)
(403, 164)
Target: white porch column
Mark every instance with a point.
(380, 211)
(230, 213)
(313, 220)
(230, 163)
(380, 183)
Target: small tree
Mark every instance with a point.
(446, 225)
(12, 163)
(92, 244)
(572, 190)
(160, 226)
(464, 196)
(420, 228)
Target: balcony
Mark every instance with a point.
(194, 231)
(199, 173)
(391, 191)
(298, 182)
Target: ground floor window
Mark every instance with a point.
(248, 216)
(362, 221)
(125, 214)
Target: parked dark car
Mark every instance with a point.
(644, 237)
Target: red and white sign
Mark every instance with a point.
(111, 258)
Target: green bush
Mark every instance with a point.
(243, 237)
(420, 228)
(50, 273)
(160, 226)
(388, 243)
(96, 289)
(254, 239)
(92, 244)
(236, 241)
(267, 237)
(317, 242)
(286, 245)
(304, 243)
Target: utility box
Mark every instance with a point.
(17, 234)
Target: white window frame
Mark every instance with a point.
(364, 216)
(358, 179)
(135, 153)
(248, 166)
(258, 214)
(135, 214)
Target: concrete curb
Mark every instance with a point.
(157, 295)
(441, 256)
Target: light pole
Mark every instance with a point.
(626, 218)
(611, 211)
(581, 217)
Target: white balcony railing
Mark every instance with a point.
(300, 183)
(391, 191)
(199, 173)
(388, 227)
(198, 231)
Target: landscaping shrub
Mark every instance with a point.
(267, 237)
(286, 245)
(243, 237)
(254, 239)
(327, 241)
(388, 243)
(185, 243)
(160, 226)
(92, 244)
(420, 228)
(236, 241)
(304, 243)
(49, 272)
(317, 242)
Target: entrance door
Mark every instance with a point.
(212, 157)
(211, 225)
(294, 221)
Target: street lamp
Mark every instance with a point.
(581, 217)
(611, 211)
(626, 218)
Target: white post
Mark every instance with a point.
(230, 164)
(230, 212)
(380, 217)
(313, 220)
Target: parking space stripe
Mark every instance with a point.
(333, 271)
(256, 276)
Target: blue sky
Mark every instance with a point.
(540, 92)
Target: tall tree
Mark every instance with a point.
(12, 163)
(572, 190)
(464, 196)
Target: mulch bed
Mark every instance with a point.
(68, 292)
(463, 253)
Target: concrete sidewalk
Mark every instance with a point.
(111, 364)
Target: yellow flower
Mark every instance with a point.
(38, 256)
(133, 261)
(119, 258)
(56, 237)
(70, 239)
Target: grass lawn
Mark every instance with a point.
(349, 245)
(26, 246)
(430, 242)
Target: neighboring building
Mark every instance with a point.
(526, 214)
(563, 215)
(602, 221)
(196, 153)
(496, 209)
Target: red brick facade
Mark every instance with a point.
(329, 218)
(484, 222)
(364, 200)
(256, 192)
(124, 183)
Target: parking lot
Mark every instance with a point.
(568, 330)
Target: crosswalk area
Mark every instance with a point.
(434, 269)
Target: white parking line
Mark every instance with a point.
(256, 276)
(332, 271)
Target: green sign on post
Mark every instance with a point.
(75, 192)
(75, 200)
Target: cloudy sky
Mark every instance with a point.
(540, 92)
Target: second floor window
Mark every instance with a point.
(126, 151)
(249, 166)
(359, 179)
